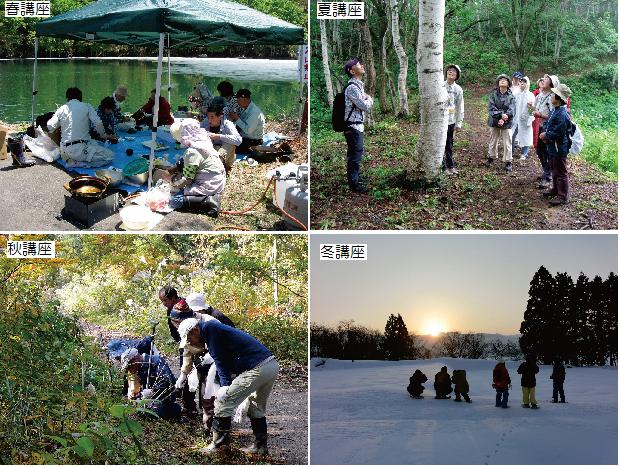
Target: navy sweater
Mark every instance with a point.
(233, 351)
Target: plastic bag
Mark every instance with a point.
(158, 197)
(578, 141)
(42, 146)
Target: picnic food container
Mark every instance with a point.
(86, 186)
(135, 217)
(137, 171)
(115, 176)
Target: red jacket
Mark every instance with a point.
(501, 379)
(163, 116)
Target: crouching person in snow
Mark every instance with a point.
(501, 383)
(198, 357)
(558, 375)
(150, 377)
(203, 176)
(461, 386)
(442, 385)
(415, 387)
(528, 370)
(235, 353)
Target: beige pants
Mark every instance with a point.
(255, 384)
(502, 137)
(227, 155)
(529, 395)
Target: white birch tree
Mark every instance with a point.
(403, 61)
(426, 162)
(326, 71)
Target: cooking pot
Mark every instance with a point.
(86, 186)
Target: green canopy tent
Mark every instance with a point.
(184, 23)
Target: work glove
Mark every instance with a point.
(221, 393)
(147, 394)
(207, 360)
(181, 381)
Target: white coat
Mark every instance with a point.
(523, 119)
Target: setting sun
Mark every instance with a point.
(434, 329)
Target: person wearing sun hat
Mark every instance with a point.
(455, 114)
(555, 137)
(235, 352)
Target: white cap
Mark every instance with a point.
(196, 301)
(184, 328)
(127, 356)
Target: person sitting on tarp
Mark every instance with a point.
(74, 118)
(223, 133)
(105, 111)
(144, 115)
(250, 121)
(150, 377)
(119, 95)
(200, 99)
(203, 177)
(226, 91)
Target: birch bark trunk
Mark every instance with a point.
(426, 163)
(402, 59)
(326, 71)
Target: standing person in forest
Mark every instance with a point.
(455, 114)
(170, 299)
(356, 104)
(558, 375)
(528, 370)
(501, 383)
(556, 139)
(524, 101)
(515, 89)
(543, 109)
(501, 113)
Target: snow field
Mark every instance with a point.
(361, 413)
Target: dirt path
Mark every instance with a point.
(287, 417)
(478, 198)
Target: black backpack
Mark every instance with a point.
(339, 122)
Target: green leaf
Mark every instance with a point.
(87, 445)
(147, 411)
(134, 427)
(117, 411)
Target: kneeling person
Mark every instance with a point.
(235, 353)
(150, 377)
(415, 388)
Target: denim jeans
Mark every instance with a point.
(448, 162)
(355, 150)
(558, 387)
(501, 398)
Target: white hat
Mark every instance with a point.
(196, 301)
(175, 130)
(563, 91)
(121, 90)
(127, 356)
(184, 328)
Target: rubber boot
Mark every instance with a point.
(259, 446)
(221, 434)
(16, 146)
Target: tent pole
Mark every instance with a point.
(169, 99)
(160, 57)
(34, 77)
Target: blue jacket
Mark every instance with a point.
(556, 132)
(233, 351)
(161, 378)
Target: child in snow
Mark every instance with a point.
(558, 375)
(415, 387)
(442, 385)
(455, 114)
(501, 383)
(461, 386)
(528, 370)
(501, 113)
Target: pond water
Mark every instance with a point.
(274, 83)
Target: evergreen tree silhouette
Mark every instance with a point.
(397, 344)
(535, 325)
